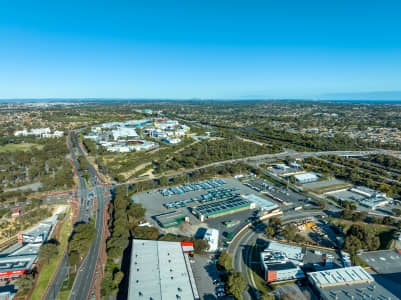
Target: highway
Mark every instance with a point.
(62, 272)
(85, 275)
(82, 285)
(256, 160)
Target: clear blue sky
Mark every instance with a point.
(199, 49)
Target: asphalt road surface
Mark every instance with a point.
(85, 275)
(86, 272)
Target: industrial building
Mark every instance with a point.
(212, 236)
(19, 262)
(40, 132)
(283, 170)
(278, 267)
(39, 233)
(160, 270)
(347, 283)
(364, 196)
(24, 255)
(292, 253)
(305, 177)
(123, 132)
(262, 203)
(367, 192)
(220, 208)
(374, 202)
(171, 219)
(171, 141)
(125, 136)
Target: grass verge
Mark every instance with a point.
(257, 272)
(65, 291)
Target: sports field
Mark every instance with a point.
(21, 147)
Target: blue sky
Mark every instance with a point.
(199, 49)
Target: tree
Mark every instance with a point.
(275, 222)
(225, 261)
(321, 204)
(24, 282)
(200, 246)
(269, 231)
(290, 232)
(236, 284)
(146, 233)
(82, 238)
(266, 296)
(396, 212)
(48, 251)
(163, 181)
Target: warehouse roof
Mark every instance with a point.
(358, 291)
(220, 206)
(288, 265)
(171, 219)
(160, 270)
(305, 176)
(41, 231)
(348, 283)
(290, 251)
(374, 202)
(16, 263)
(262, 203)
(341, 276)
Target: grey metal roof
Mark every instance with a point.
(159, 271)
(216, 207)
(341, 276)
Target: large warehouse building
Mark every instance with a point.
(306, 177)
(262, 203)
(347, 283)
(220, 208)
(160, 270)
(22, 257)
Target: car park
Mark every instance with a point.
(212, 195)
(190, 187)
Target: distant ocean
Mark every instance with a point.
(240, 100)
(365, 101)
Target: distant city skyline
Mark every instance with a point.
(209, 50)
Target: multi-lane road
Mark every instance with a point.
(240, 250)
(82, 287)
(83, 284)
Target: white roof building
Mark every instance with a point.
(123, 132)
(260, 202)
(293, 253)
(212, 236)
(341, 276)
(21, 133)
(348, 283)
(365, 191)
(160, 270)
(305, 177)
(172, 141)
